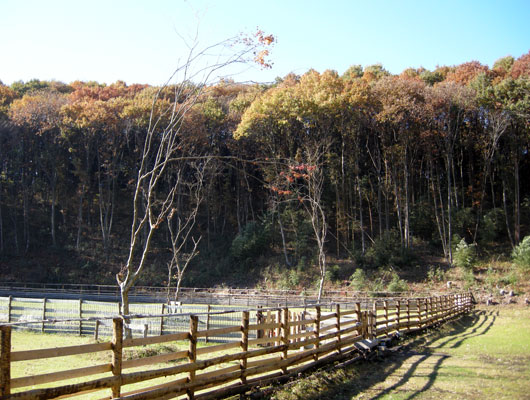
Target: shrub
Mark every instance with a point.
(251, 242)
(332, 273)
(435, 274)
(521, 254)
(464, 255)
(397, 285)
(358, 280)
(387, 250)
(469, 279)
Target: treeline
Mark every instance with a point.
(424, 156)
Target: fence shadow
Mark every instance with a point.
(376, 372)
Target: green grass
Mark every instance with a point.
(29, 341)
(485, 355)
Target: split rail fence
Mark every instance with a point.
(275, 343)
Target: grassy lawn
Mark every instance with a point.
(485, 355)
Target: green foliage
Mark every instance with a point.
(397, 285)
(435, 274)
(251, 242)
(431, 77)
(492, 226)
(511, 278)
(387, 251)
(358, 280)
(464, 255)
(469, 279)
(332, 273)
(521, 254)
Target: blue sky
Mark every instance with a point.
(138, 41)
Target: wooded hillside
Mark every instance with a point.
(362, 166)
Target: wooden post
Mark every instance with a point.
(358, 313)
(285, 334)
(317, 330)
(117, 350)
(385, 305)
(244, 345)
(208, 308)
(162, 319)
(279, 329)
(9, 305)
(259, 320)
(192, 351)
(43, 313)
(96, 330)
(5, 360)
(408, 315)
(80, 316)
(373, 321)
(146, 328)
(398, 311)
(337, 327)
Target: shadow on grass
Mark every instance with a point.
(362, 377)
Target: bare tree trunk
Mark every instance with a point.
(80, 217)
(508, 228)
(517, 200)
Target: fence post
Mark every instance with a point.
(317, 330)
(398, 311)
(117, 349)
(385, 305)
(162, 319)
(5, 360)
(337, 326)
(9, 301)
(208, 309)
(408, 315)
(259, 320)
(373, 321)
(279, 329)
(285, 334)
(80, 316)
(43, 314)
(244, 345)
(192, 352)
(96, 330)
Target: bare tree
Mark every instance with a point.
(181, 222)
(152, 202)
(305, 183)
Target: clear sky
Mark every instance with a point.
(136, 40)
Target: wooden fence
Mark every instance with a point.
(220, 296)
(282, 342)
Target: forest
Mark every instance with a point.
(309, 177)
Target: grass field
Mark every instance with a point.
(485, 355)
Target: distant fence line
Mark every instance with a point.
(268, 345)
(222, 296)
(86, 317)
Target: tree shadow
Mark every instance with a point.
(460, 326)
(375, 372)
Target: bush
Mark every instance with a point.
(492, 226)
(332, 273)
(358, 280)
(521, 254)
(251, 242)
(435, 274)
(464, 255)
(387, 251)
(397, 285)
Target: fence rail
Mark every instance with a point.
(221, 296)
(270, 343)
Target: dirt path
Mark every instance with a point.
(485, 355)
